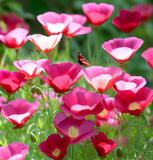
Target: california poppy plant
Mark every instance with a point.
(127, 20)
(97, 14)
(55, 146)
(102, 144)
(122, 49)
(14, 151)
(31, 69)
(100, 78)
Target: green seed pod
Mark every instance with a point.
(38, 91)
(151, 140)
(33, 89)
(42, 82)
(119, 153)
(33, 137)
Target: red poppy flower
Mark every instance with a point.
(55, 147)
(11, 82)
(97, 14)
(127, 20)
(14, 151)
(102, 144)
(122, 49)
(132, 102)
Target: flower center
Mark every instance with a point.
(133, 106)
(56, 152)
(103, 113)
(73, 132)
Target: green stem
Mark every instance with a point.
(96, 43)
(17, 54)
(88, 46)
(3, 59)
(8, 97)
(72, 150)
(67, 48)
(21, 135)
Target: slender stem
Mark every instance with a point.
(96, 42)
(3, 59)
(17, 54)
(122, 66)
(21, 135)
(88, 46)
(67, 48)
(139, 131)
(72, 150)
(8, 97)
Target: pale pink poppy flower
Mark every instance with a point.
(128, 82)
(18, 111)
(45, 43)
(132, 102)
(15, 38)
(77, 130)
(144, 9)
(100, 78)
(54, 23)
(122, 49)
(97, 14)
(62, 75)
(14, 151)
(80, 103)
(148, 56)
(30, 68)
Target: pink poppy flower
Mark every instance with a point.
(97, 14)
(148, 56)
(15, 38)
(102, 144)
(127, 20)
(30, 68)
(55, 147)
(78, 18)
(132, 102)
(122, 49)
(100, 78)
(11, 82)
(11, 21)
(45, 43)
(80, 103)
(128, 82)
(18, 114)
(77, 130)
(14, 151)
(54, 23)
(144, 9)
(2, 102)
(62, 75)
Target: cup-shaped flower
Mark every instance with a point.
(127, 20)
(2, 102)
(18, 111)
(14, 151)
(100, 78)
(122, 49)
(97, 14)
(77, 130)
(11, 82)
(132, 102)
(78, 18)
(102, 144)
(45, 43)
(144, 9)
(11, 21)
(55, 146)
(80, 103)
(62, 75)
(128, 82)
(15, 38)
(30, 68)
(148, 56)
(54, 23)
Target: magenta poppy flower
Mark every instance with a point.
(2, 102)
(30, 68)
(10, 22)
(14, 151)
(54, 23)
(55, 146)
(144, 9)
(11, 82)
(100, 78)
(77, 130)
(128, 82)
(80, 103)
(15, 38)
(97, 14)
(102, 144)
(62, 75)
(45, 43)
(132, 102)
(148, 56)
(18, 114)
(122, 49)
(127, 20)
